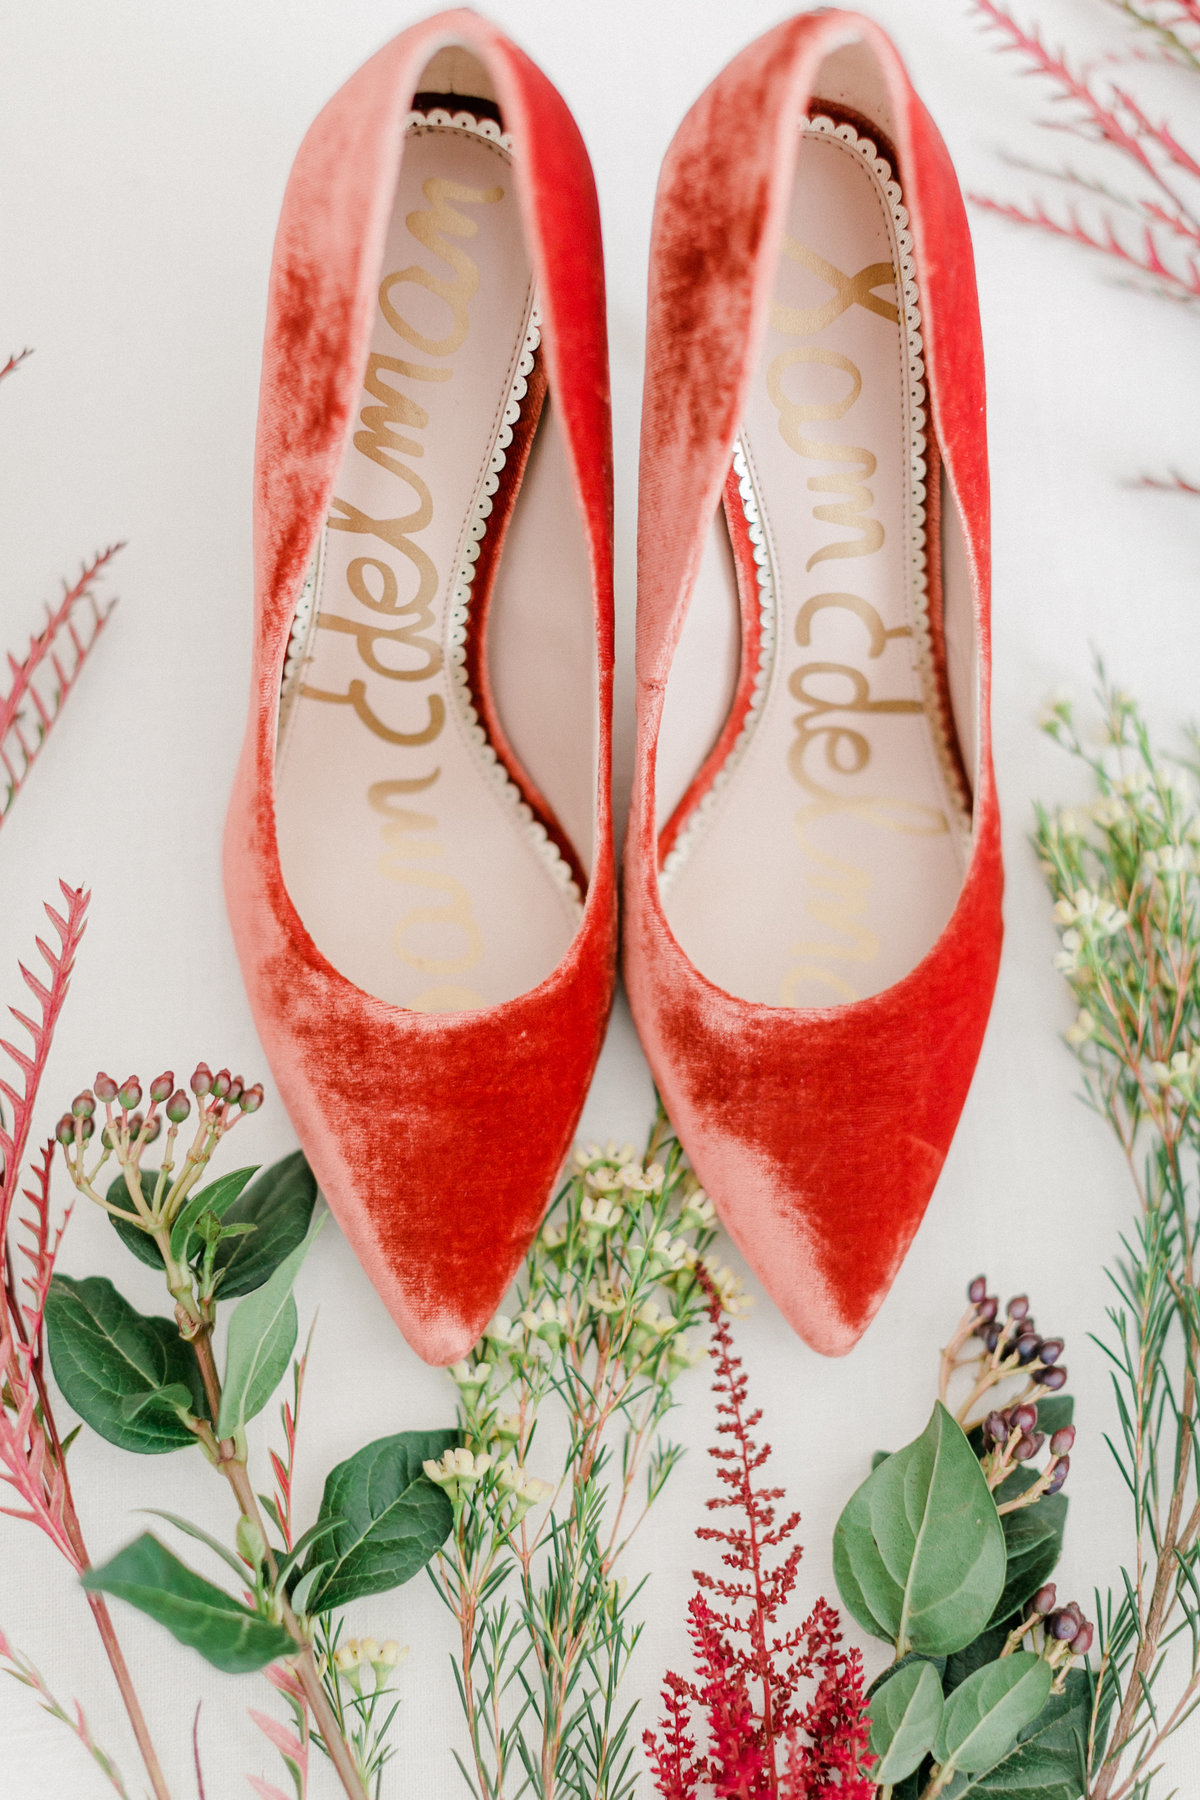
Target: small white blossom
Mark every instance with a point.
(457, 1469)
(526, 1490)
(471, 1378)
(1081, 1030)
(606, 1296)
(699, 1213)
(1110, 812)
(547, 1321)
(598, 1215)
(730, 1291)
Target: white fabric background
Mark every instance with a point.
(143, 150)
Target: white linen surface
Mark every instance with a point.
(144, 150)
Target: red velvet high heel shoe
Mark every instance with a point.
(418, 856)
(813, 875)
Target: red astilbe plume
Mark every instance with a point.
(761, 1740)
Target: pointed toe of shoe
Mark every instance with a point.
(820, 1134)
(435, 1138)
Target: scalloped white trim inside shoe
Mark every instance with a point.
(828, 852)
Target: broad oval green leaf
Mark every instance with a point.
(122, 1372)
(919, 1549)
(905, 1715)
(389, 1519)
(984, 1717)
(262, 1336)
(279, 1204)
(1049, 1759)
(1033, 1542)
(216, 1198)
(194, 1611)
(132, 1236)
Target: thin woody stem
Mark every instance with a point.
(307, 1673)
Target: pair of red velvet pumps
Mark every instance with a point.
(419, 862)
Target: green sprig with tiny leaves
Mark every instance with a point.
(597, 1340)
(1124, 874)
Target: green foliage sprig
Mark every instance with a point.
(577, 1384)
(152, 1385)
(1124, 873)
(945, 1553)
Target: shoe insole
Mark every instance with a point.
(823, 857)
(408, 850)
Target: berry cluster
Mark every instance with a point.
(1014, 1341)
(1011, 1436)
(1064, 1631)
(217, 1096)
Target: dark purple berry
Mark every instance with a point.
(1063, 1626)
(1081, 1643)
(1018, 1308)
(1029, 1347)
(991, 1337)
(1024, 1448)
(977, 1290)
(1024, 1417)
(1062, 1441)
(1058, 1474)
(995, 1427)
(162, 1086)
(1045, 1599)
(1052, 1349)
(988, 1307)
(1053, 1379)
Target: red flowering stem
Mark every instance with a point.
(727, 1372)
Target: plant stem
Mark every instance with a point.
(133, 1708)
(307, 1673)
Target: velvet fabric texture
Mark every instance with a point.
(819, 1133)
(436, 1139)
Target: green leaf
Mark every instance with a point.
(1048, 1760)
(279, 1205)
(984, 1717)
(262, 1336)
(938, 1664)
(216, 1198)
(919, 1550)
(123, 1373)
(1033, 1541)
(905, 1715)
(225, 1632)
(201, 1537)
(984, 1649)
(132, 1236)
(389, 1519)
